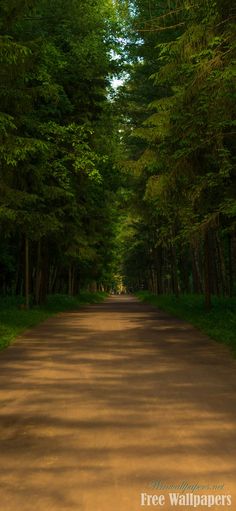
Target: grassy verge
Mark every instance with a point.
(219, 323)
(13, 320)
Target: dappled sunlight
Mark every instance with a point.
(94, 405)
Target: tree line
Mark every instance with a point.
(57, 190)
(178, 132)
(96, 186)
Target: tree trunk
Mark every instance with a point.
(223, 276)
(174, 272)
(231, 272)
(44, 274)
(207, 272)
(52, 278)
(185, 273)
(197, 284)
(38, 274)
(158, 261)
(26, 273)
(71, 280)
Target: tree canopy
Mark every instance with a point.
(180, 144)
(137, 183)
(57, 187)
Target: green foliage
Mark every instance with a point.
(75, 156)
(57, 186)
(180, 138)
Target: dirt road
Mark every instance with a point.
(97, 404)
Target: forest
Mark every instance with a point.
(117, 150)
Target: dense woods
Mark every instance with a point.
(179, 135)
(57, 190)
(99, 185)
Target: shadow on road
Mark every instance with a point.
(98, 403)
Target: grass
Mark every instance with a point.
(14, 320)
(219, 323)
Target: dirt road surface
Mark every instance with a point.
(95, 405)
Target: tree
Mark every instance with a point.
(54, 164)
(182, 136)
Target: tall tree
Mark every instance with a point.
(182, 138)
(55, 106)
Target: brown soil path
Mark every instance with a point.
(94, 405)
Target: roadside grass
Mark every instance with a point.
(219, 323)
(14, 320)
